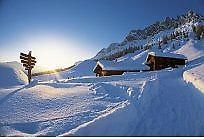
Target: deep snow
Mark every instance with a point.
(134, 104)
(11, 74)
(168, 102)
(157, 103)
(195, 76)
(158, 109)
(50, 109)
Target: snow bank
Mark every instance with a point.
(122, 65)
(196, 77)
(11, 75)
(172, 55)
(192, 49)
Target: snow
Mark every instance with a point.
(132, 61)
(134, 104)
(171, 55)
(157, 108)
(11, 75)
(165, 103)
(50, 108)
(81, 69)
(192, 50)
(122, 65)
(168, 102)
(195, 76)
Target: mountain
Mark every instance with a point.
(151, 34)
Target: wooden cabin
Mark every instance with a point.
(158, 60)
(108, 68)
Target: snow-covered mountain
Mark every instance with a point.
(152, 33)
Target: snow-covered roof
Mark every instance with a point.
(172, 55)
(123, 65)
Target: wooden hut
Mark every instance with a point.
(159, 60)
(108, 68)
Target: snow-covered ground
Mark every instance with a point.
(84, 68)
(11, 74)
(164, 103)
(168, 102)
(132, 104)
(50, 108)
(196, 77)
(155, 107)
(195, 68)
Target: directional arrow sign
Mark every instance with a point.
(32, 64)
(28, 62)
(24, 61)
(27, 69)
(22, 54)
(27, 66)
(33, 61)
(24, 58)
(33, 58)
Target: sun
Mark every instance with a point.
(51, 53)
(56, 51)
(51, 58)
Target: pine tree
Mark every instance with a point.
(173, 46)
(164, 39)
(199, 31)
(141, 48)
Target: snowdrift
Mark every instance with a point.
(194, 51)
(11, 74)
(196, 77)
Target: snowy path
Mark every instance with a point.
(162, 109)
(149, 103)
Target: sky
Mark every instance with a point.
(62, 32)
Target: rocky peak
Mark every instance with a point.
(153, 29)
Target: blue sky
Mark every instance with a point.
(77, 28)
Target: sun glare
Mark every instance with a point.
(51, 58)
(51, 53)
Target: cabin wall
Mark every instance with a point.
(109, 73)
(158, 63)
(169, 62)
(151, 61)
(98, 70)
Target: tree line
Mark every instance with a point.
(162, 41)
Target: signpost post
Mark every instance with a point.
(28, 62)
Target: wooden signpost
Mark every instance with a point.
(28, 62)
